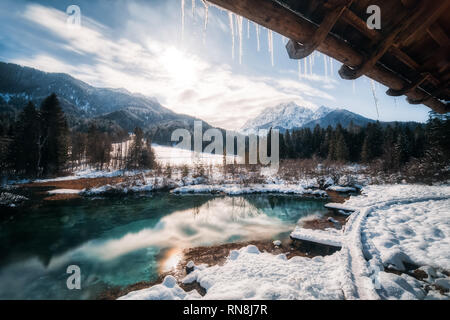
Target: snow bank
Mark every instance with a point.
(339, 207)
(90, 174)
(341, 189)
(416, 233)
(331, 237)
(236, 189)
(168, 290)
(250, 274)
(64, 191)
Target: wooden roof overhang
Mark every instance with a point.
(410, 54)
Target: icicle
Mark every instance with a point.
(305, 69)
(182, 19)
(270, 41)
(372, 83)
(230, 18)
(248, 29)
(331, 66)
(299, 69)
(325, 63)
(239, 24)
(257, 37)
(193, 8)
(206, 20)
(310, 65)
(283, 40)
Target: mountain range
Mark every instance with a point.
(120, 110)
(290, 116)
(83, 103)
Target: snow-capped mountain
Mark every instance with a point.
(285, 116)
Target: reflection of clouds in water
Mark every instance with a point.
(214, 222)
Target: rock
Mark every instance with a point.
(190, 267)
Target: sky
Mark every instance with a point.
(142, 46)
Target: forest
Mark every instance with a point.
(41, 144)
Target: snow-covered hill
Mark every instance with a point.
(284, 116)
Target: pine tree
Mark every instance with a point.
(365, 152)
(24, 152)
(341, 151)
(54, 137)
(141, 154)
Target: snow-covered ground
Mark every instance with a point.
(392, 224)
(178, 157)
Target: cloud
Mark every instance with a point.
(184, 82)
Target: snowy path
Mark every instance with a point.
(364, 273)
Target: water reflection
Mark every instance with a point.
(122, 241)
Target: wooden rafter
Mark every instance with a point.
(300, 51)
(412, 86)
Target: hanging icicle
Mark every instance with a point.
(331, 67)
(248, 29)
(305, 69)
(258, 43)
(310, 65)
(270, 42)
(193, 8)
(206, 20)
(182, 19)
(230, 18)
(325, 64)
(372, 84)
(299, 69)
(240, 21)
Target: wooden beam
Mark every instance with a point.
(300, 51)
(414, 31)
(438, 35)
(349, 73)
(412, 86)
(280, 19)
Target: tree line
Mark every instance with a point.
(394, 145)
(40, 143)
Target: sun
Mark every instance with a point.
(180, 67)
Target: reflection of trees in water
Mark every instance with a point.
(286, 207)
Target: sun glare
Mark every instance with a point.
(180, 67)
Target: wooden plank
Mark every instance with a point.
(280, 19)
(438, 35)
(412, 86)
(297, 51)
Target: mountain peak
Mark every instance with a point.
(284, 116)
